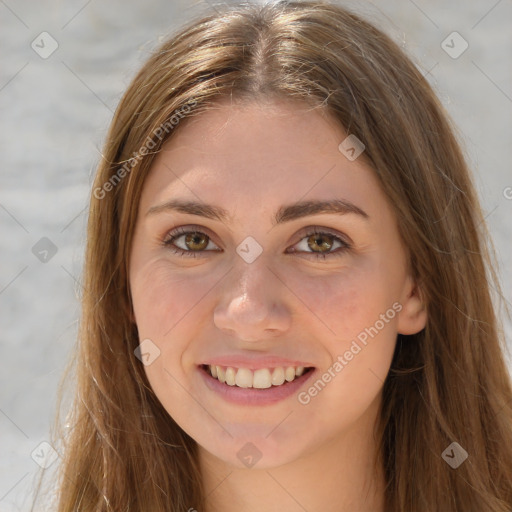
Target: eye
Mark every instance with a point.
(320, 240)
(194, 241)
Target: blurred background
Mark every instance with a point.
(63, 69)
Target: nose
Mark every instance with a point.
(251, 305)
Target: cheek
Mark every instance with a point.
(351, 312)
(167, 306)
(164, 298)
(171, 309)
(342, 303)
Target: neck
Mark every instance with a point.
(339, 476)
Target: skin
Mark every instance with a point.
(250, 159)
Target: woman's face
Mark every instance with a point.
(270, 285)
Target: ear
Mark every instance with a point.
(413, 315)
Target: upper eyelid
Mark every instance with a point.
(184, 230)
(302, 232)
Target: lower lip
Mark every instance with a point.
(254, 396)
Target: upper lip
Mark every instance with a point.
(255, 363)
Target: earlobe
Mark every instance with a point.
(413, 316)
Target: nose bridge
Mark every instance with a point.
(250, 296)
(250, 303)
(247, 294)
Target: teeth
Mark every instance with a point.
(289, 374)
(244, 378)
(278, 376)
(262, 378)
(230, 376)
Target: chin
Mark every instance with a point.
(255, 452)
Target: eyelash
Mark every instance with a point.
(178, 232)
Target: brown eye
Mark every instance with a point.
(189, 242)
(196, 241)
(320, 242)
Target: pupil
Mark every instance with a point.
(321, 241)
(194, 239)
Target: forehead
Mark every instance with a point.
(254, 157)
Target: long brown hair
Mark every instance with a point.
(448, 383)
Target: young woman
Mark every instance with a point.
(287, 285)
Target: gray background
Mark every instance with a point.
(54, 115)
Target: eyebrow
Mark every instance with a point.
(285, 213)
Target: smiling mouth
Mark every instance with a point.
(263, 378)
